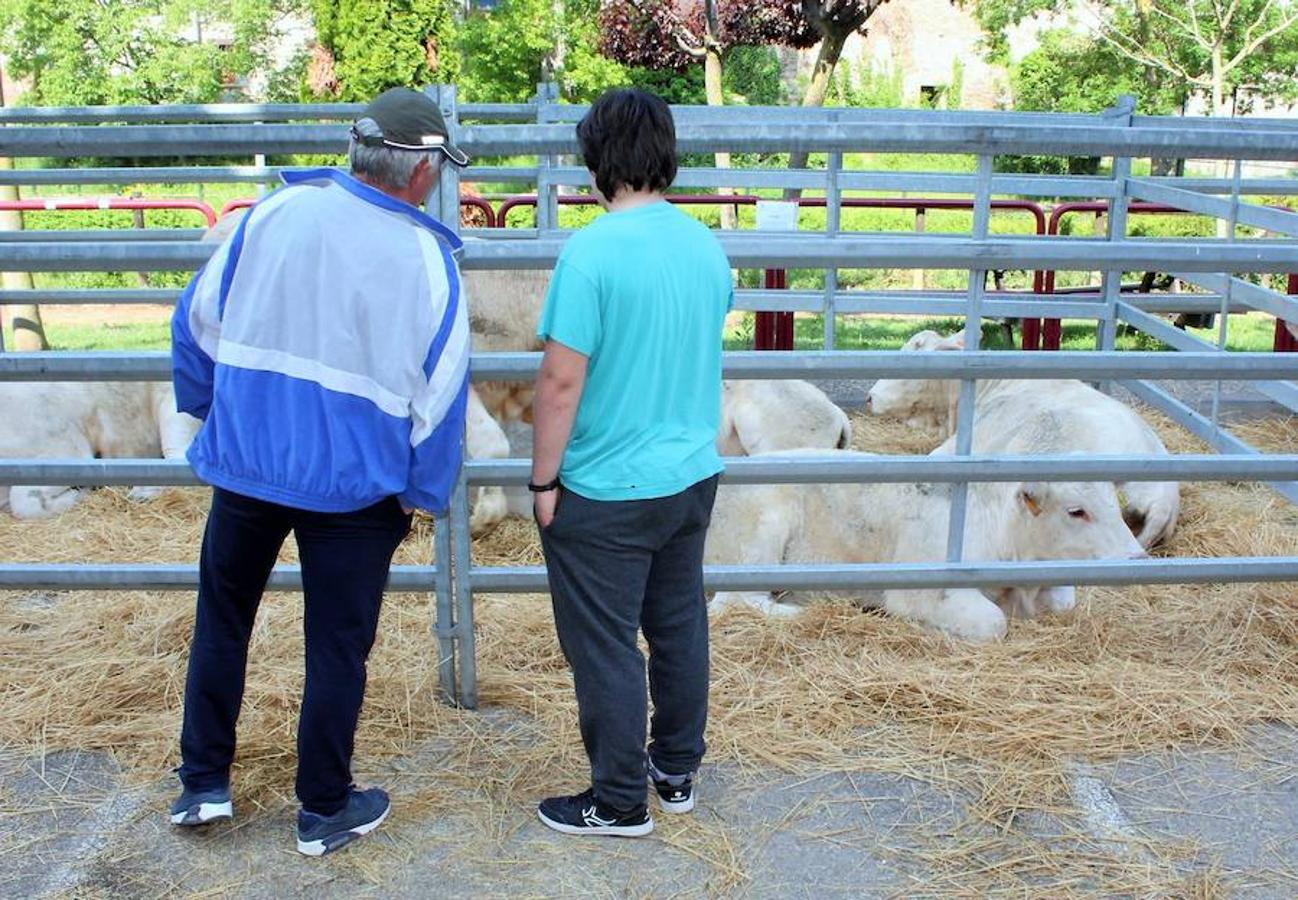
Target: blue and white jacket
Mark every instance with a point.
(325, 345)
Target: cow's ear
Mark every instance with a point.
(1030, 496)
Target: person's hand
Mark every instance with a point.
(543, 505)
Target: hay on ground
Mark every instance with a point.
(1132, 670)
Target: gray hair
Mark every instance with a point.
(385, 166)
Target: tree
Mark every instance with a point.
(1075, 73)
(1219, 48)
(84, 52)
(507, 50)
(673, 34)
(29, 331)
(368, 46)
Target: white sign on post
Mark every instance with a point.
(777, 215)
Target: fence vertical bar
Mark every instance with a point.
(1107, 338)
(972, 338)
(444, 610)
(461, 553)
(833, 223)
(449, 180)
(1223, 326)
(547, 192)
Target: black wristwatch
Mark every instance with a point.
(542, 488)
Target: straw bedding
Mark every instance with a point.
(1131, 670)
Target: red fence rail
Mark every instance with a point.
(774, 330)
(84, 204)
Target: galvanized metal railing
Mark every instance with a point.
(454, 578)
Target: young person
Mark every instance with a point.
(326, 348)
(624, 467)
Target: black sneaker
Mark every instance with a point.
(673, 798)
(201, 807)
(583, 814)
(365, 811)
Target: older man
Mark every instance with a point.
(325, 345)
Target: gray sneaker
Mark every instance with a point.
(201, 807)
(365, 811)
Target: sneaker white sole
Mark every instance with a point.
(207, 813)
(320, 848)
(682, 806)
(600, 830)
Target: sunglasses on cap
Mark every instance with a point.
(366, 131)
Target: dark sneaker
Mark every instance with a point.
(583, 814)
(673, 798)
(201, 807)
(365, 811)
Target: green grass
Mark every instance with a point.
(132, 336)
(1253, 333)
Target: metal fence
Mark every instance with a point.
(1214, 264)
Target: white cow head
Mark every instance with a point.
(925, 399)
(1071, 520)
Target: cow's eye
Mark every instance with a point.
(1078, 512)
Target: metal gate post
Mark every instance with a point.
(444, 610)
(833, 222)
(972, 339)
(443, 201)
(461, 555)
(1223, 324)
(547, 192)
(1107, 337)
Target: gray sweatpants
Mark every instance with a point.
(616, 567)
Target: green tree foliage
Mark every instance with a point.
(864, 85)
(1214, 48)
(373, 45)
(82, 52)
(1070, 72)
(507, 50)
(752, 76)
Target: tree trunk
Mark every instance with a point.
(831, 48)
(553, 61)
(715, 96)
(29, 333)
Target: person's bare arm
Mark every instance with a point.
(554, 407)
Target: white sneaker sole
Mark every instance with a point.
(207, 813)
(683, 806)
(319, 848)
(600, 830)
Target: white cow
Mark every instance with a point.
(768, 415)
(1064, 416)
(504, 309)
(878, 523)
(71, 420)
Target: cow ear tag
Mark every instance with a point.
(1030, 501)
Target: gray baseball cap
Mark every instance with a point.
(404, 119)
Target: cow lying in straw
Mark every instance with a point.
(85, 420)
(1082, 420)
(765, 416)
(881, 523)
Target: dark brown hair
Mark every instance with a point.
(628, 139)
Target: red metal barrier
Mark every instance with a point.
(1285, 341)
(477, 203)
(82, 204)
(774, 330)
(1053, 329)
(1035, 337)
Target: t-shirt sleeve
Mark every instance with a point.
(571, 314)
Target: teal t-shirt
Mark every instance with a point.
(642, 293)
